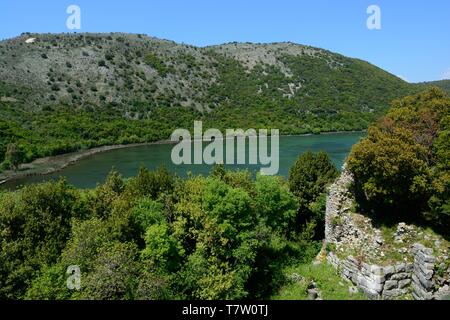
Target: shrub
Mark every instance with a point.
(401, 169)
(308, 179)
(391, 170)
(14, 155)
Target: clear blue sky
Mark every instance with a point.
(414, 41)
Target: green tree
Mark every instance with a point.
(308, 179)
(391, 171)
(114, 275)
(35, 224)
(50, 284)
(14, 155)
(162, 250)
(401, 169)
(275, 203)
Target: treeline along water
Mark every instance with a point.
(87, 172)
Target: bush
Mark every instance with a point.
(35, 225)
(391, 171)
(401, 169)
(14, 155)
(308, 179)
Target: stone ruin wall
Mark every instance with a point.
(377, 282)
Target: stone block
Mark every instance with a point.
(400, 267)
(422, 282)
(388, 270)
(390, 285)
(353, 290)
(420, 292)
(427, 266)
(442, 296)
(349, 267)
(416, 296)
(419, 248)
(365, 266)
(427, 274)
(352, 260)
(376, 270)
(389, 294)
(312, 294)
(400, 276)
(422, 258)
(404, 283)
(377, 279)
(409, 267)
(369, 285)
(371, 294)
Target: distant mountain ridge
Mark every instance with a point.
(129, 69)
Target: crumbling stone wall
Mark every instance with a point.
(388, 282)
(379, 282)
(375, 281)
(426, 283)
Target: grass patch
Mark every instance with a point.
(329, 283)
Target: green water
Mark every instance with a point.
(87, 172)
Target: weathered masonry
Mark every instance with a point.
(422, 277)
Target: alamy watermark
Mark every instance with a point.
(374, 20)
(73, 22)
(213, 153)
(74, 280)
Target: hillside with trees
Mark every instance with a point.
(67, 92)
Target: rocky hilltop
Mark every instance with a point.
(133, 73)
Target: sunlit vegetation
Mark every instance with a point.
(155, 236)
(402, 169)
(329, 283)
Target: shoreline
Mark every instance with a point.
(52, 164)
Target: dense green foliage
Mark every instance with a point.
(402, 169)
(444, 85)
(347, 98)
(308, 179)
(61, 130)
(155, 236)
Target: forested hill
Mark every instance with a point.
(442, 84)
(64, 92)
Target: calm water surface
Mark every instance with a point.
(87, 172)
